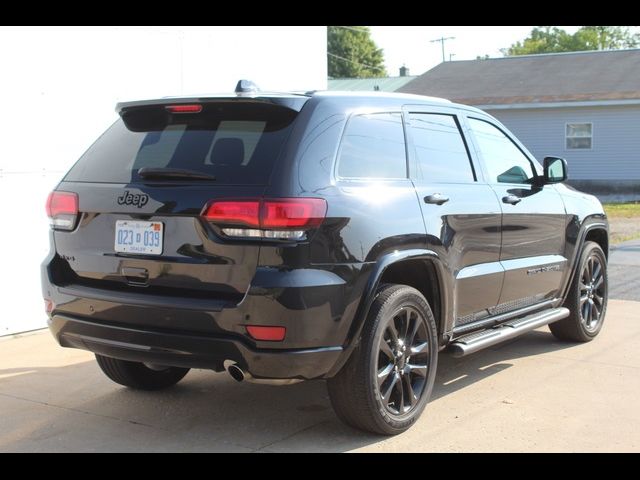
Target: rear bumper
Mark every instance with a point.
(315, 306)
(189, 350)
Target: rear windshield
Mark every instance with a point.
(237, 143)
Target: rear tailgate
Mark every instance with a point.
(194, 260)
(234, 142)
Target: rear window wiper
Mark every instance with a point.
(173, 173)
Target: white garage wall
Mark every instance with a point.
(59, 88)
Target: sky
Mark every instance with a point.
(70, 73)
(411, 46)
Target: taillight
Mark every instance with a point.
(184, 108)
(302, 213)
(62, 210)
(278, 218)
(243, 212)
(48, 305)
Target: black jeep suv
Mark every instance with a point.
(337, 236)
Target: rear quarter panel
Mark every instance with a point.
(365, 219)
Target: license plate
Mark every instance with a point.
(139, 237)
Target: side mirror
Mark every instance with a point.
(555, 170)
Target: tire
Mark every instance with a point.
(587, 298)
(137, 375)
(355, 394)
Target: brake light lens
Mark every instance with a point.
(280, 218)
(269, 334)
(184, 108)
(234, 212)
(293, 213)
(62, 210)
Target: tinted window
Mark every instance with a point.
(373, 146)
(236, 143)
(441, 155)
(504, 161)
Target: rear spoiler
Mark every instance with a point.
(290, 101)
(199, 112)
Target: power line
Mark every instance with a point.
(442, 40)
(355, 29)
(352, 61)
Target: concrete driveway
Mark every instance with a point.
(533, 394)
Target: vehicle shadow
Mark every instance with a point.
(75, 408)
(457, 373)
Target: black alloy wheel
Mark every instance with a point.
(386, 383)
(403, 360)
(586, 299)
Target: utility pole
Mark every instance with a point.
(442, 40)
(181, 45)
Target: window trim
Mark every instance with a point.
(410, 142)
(567, 137)
(488, 180)
(357, 113)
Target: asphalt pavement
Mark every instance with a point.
(624, 271)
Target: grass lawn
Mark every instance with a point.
(624, 221)
(626, 210)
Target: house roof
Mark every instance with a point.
(385, 84)
(530, 79)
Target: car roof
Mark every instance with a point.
(296, 99)
(376, 95)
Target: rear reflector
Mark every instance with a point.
(268, 218)
(269, 334)
(62, 209)
(48, 305)
(184, 108)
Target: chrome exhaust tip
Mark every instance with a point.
(240, 375)
(236, 373)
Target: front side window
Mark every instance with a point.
(441, 155)
(578, 135)
(373, 147)
(504, 161)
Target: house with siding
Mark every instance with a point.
(583, 106)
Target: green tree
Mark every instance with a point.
(353, 54)
(554, 39)
(607, 38)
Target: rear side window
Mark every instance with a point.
(441, 155)
(237, 143)
(373, 147)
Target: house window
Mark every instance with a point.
(579, 135)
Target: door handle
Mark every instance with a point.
(511, 199)
(436, 198)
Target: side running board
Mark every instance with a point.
(506, 331)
